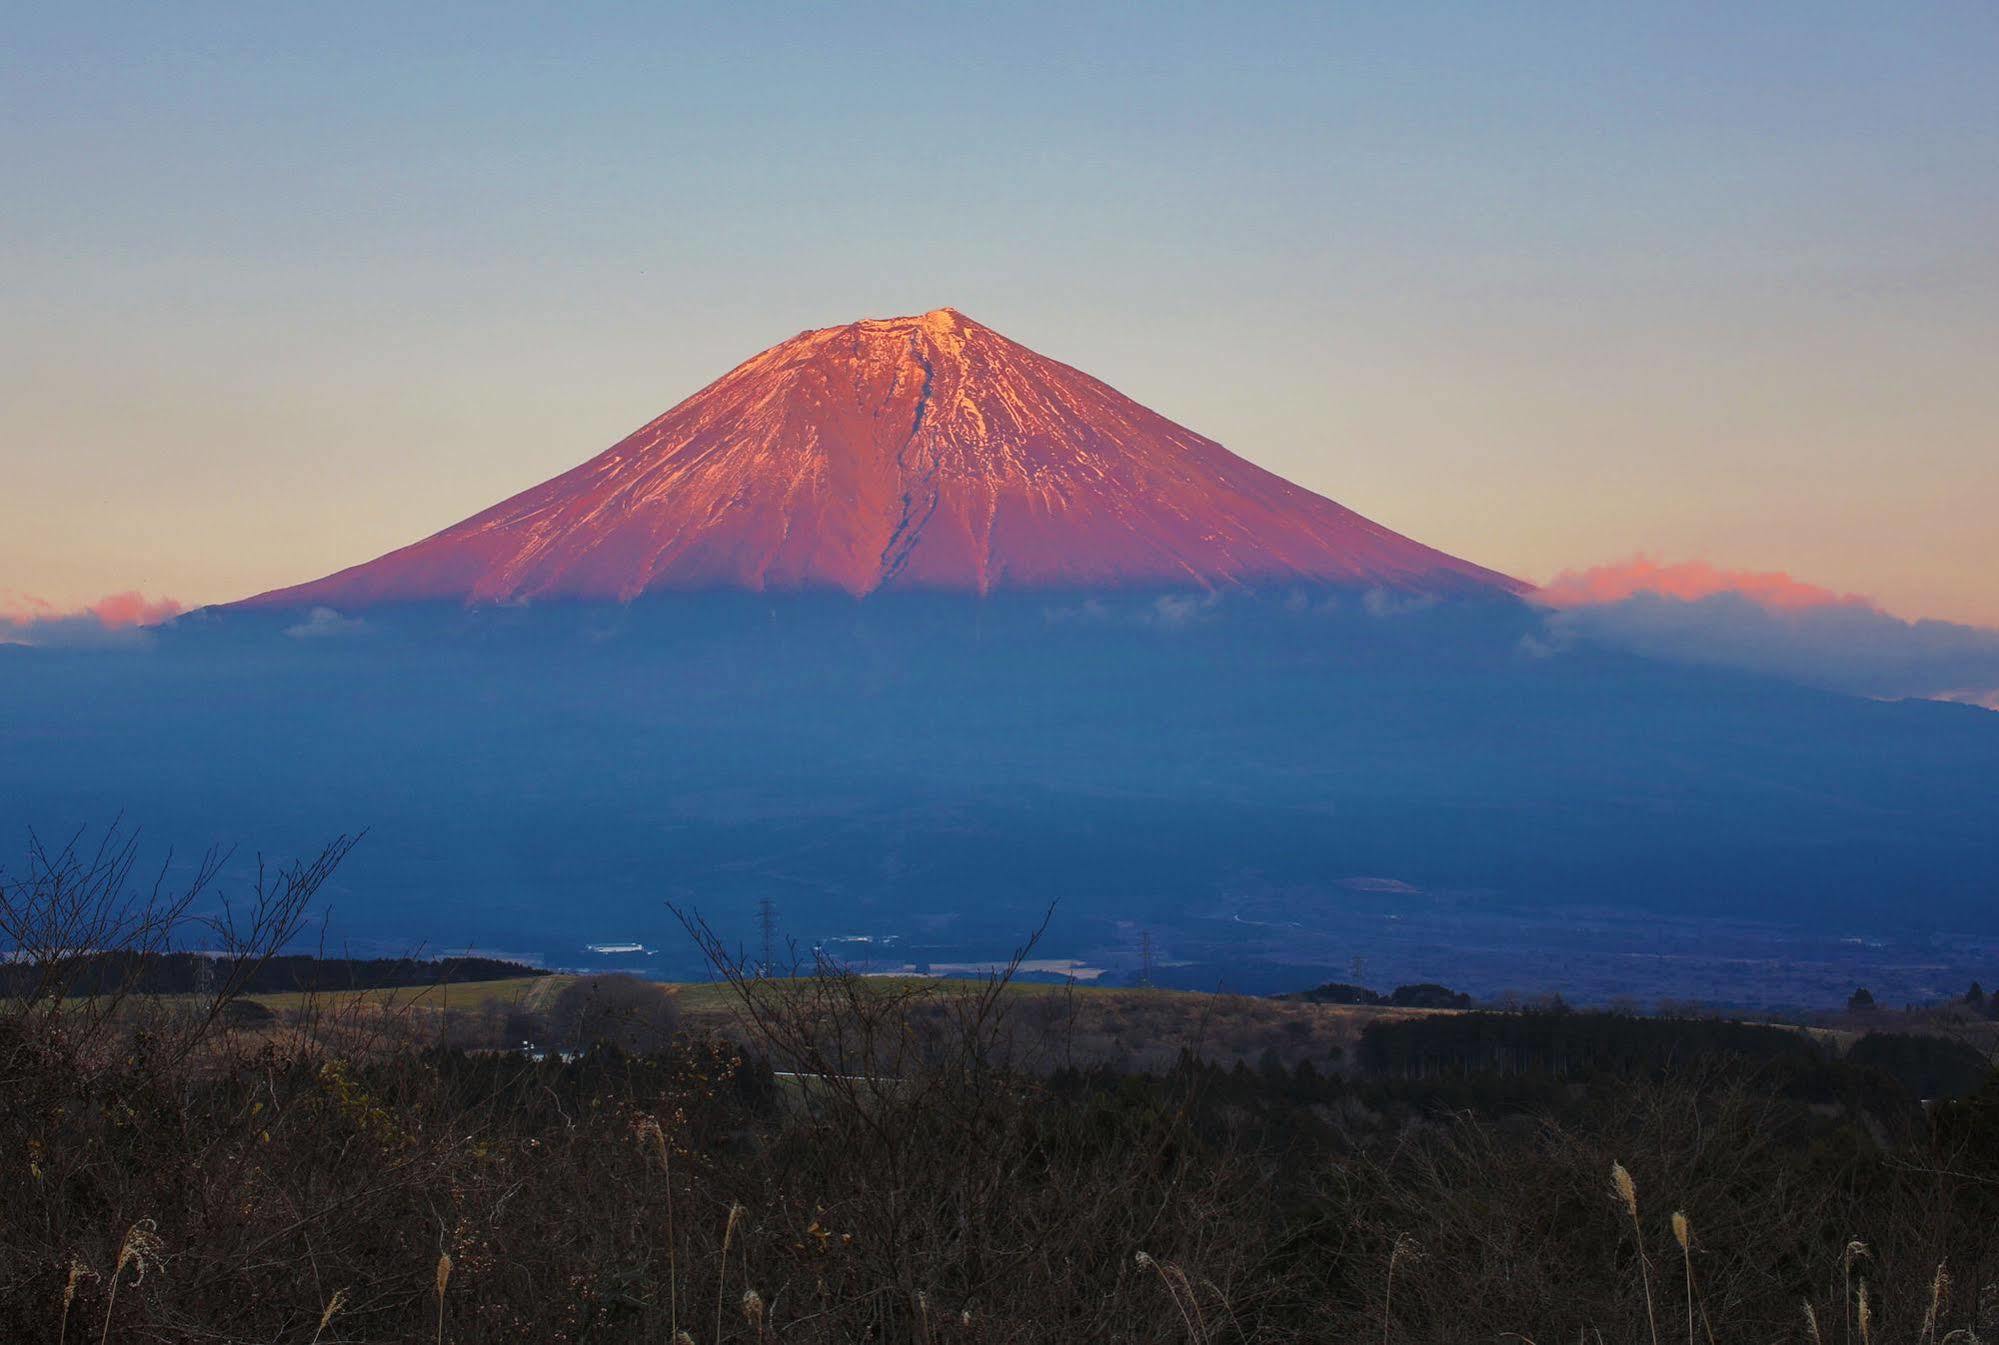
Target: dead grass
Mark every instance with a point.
(530, 992)
(1144, 1030)
(1130, 1028)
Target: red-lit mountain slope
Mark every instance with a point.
(901, 453)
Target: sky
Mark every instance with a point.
(1547, 286)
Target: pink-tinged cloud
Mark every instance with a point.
(26, 619)
(1767, 623)
(18, 609)
(133, 608)
(1689, 581)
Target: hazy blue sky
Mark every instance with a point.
(282, 287)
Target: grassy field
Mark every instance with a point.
(1139, 1028)
(530, 992)
(1131, 1028)
(1128, 1027)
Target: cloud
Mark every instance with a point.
(323, 623)
(132, 608)
(1171, 611)
(1769, 623)
(117, 619)
(1379, 602)
(1689, 581)
(1166, 611)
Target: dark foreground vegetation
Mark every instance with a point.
(926, 1162)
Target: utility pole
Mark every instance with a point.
(767, 922)
(1145, 958)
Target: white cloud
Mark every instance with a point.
(323, 623)
(1845, 646)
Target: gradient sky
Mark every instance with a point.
(283, 287)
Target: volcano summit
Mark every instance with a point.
(921, 452)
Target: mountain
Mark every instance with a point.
(924, 453)
(1264, 789)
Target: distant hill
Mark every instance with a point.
(184, 973)
(939, 769)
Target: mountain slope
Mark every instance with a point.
(923, 452)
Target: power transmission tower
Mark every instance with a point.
(1145, 957)
(767, 922)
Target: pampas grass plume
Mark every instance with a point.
(1626, 1192)
(1625, 1188)
(443, 1279)
(141, 1249)
(333, 1307)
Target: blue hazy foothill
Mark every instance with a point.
(542, 778)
